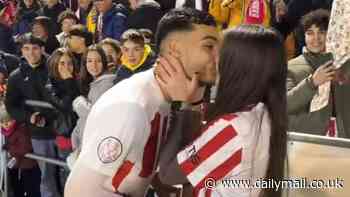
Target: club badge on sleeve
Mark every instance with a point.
(109, 149)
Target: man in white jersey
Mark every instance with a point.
(128, 125)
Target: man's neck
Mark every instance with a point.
(34, 65)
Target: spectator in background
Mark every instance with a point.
(66, 20)
(94, 81)
(52, 9)
(27, 11)
(8, 11)
(145, 14)
(290, 20)
(42, 29)
(113, 52)
(9, 62)
(137, 56)
(84, 8)
(111, 21)
(306, 73)
(232, 13)
(7, 43)
(280, 10)
(62, 90)
(79, 39)
(25, 84)
(24, 175)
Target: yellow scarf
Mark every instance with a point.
(147, 51)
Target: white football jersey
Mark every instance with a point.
(124, 131)
(233, 147)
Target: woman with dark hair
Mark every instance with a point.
(62, 89)
(245, 138)
(94, 81)
(113, 51)
(26, 12)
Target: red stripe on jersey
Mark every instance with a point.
(227, 117)
(208, 192)
(221, 171)
(122, 172)
(149, 155)
(208, 149)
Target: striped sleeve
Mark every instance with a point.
(212, 155)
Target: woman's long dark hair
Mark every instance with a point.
(253, 69)
(85, 77)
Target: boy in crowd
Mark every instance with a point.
(27, 83)
(137, 56)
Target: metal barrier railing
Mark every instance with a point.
(30, 156)
(292, 136)
(321, 140)
(47, 160)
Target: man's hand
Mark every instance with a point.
(172, 78)
(323, 74)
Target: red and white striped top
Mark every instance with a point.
(235, 146)
(124, 131)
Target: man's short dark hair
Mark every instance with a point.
(29, 38)
(132, 35)
(319, 17)
(181, 19)
(67, 14)
(81, 31)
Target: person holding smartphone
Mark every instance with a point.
(309, 71)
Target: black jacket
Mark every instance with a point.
(24, 84)
(7, 43)
(51, 45)
(9, 62)
(147, 15)
(25, 18)
(53, 13)
(61, 93)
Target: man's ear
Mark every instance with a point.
(174, 48)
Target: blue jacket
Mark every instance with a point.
(114, 22)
